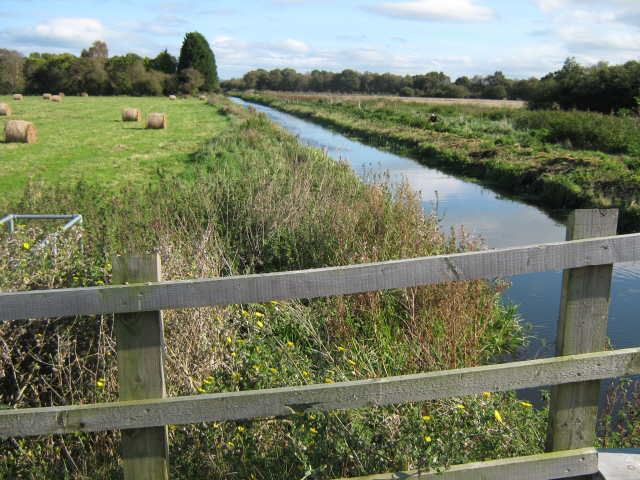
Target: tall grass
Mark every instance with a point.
(254, 200)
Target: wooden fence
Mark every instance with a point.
(144, 411)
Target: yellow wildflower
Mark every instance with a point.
(202, 390)
(328, 380)
(108, 265)
(525, 404)
(258, 314)
(461, 407)
(426, 418)
(244, 312)
(219, 319)
(241, 429)
(242, 341)
(352, 362)
(211, 378)
(487, 394)
(497, 415)
(304, 372)
(290, 344)
(427, 439)
(312, 443)
(256, 367)
(273, 370)
(228, 339)
(260, 324)
(236, 376)
(26, 246)
(274, 302)
(313, 430)
(207, 382)
(231, 444)
(173, 427)
(342, 349)
(100, 282)
(233, 354)
(100, 384)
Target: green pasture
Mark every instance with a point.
(86, 138)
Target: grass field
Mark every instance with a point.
(86, 138)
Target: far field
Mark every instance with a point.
(86, 138)
(481, 102)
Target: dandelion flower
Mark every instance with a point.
(290, 344)
(304, 372)
(487, 394)
(109, 266)
(202, 390)
(241, 429)
(427, 439)
(461, 407)
(242, 341)
(233, 354)
(525, 404)
(236, 376)
(256, 367)
(100, 282)
(257, 349)
(100, 384)
(173, 427)
(352, 362)
(274, 302)
(244, 312)
(231, 444)
(426, 418)
(328, 380)
(258, 314)
(219, 319)
(497, 415)
(273, 370)
(313, 430)
(211, 378)
(207, 382)
(26, 246)
(342, 349)
(260, 324)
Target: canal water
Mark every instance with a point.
(503, 222)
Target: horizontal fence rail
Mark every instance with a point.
(570, 463)
(319, 397)
(319, 282)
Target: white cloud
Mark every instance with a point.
(62, 33)
(288, 45)
(435, 10)
(147, 27)
(169, 18)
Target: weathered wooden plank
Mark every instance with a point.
(319, 282)
(322, 397)
(546, 466)
(141, 365)
(582, 328)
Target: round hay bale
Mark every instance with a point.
(202, 97)
(5, 110)
(20, 131)
(17, 96)
(46, 96)
(156, 120)
(61, 94)
(172, 97)
(131, 115)
(84, 94)
(56, 98)
(187, 96)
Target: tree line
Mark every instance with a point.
(601, 87)
(95, 73)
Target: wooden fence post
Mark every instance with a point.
(582, 328)
(140, 347)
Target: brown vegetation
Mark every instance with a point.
(5, 109)
(17, 96)
(46, 96)
(56, 98)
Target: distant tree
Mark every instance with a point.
(98, 51)
(196, 53)
(11, 71)
(406, 92)
(497, 92)
(191, 80)
(347, 82)
(165, 62)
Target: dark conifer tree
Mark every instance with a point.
(196, 53)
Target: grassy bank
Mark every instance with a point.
(249, 200)
(85, 138)
(558, 159)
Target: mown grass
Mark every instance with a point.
(85, 138)
(253, 200)
(559, 159)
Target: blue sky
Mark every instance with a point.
(522, 38)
